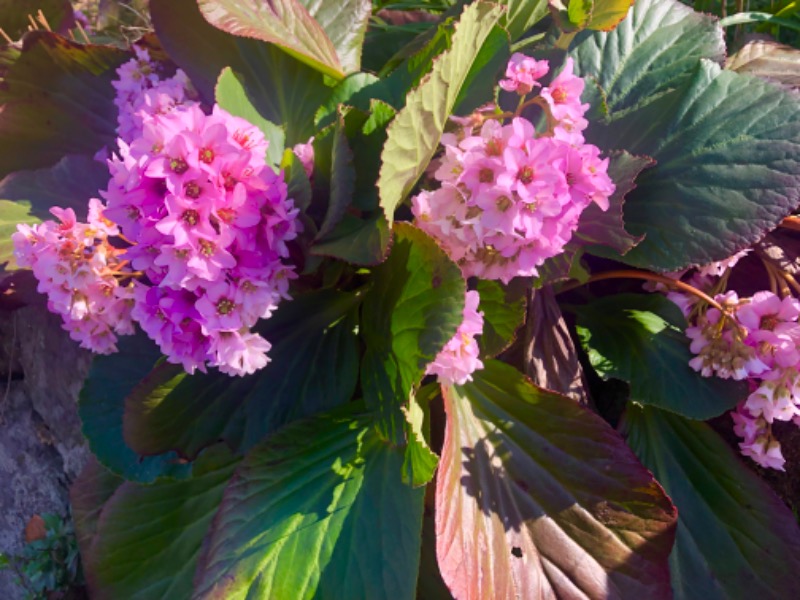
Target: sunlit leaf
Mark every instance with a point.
(537, 497)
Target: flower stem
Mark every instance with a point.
(647, 276)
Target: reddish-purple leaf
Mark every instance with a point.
(537, 497)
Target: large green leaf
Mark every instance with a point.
(149, 537)
(316, 511)
(314, 367)
(725, 144)
(640, 338)
(412, 310)
(654, 50)
(600, 15)
(14, 15)
(111, 379)
(736, 540)
(414, 134)
(325, 35)
(57, 99)
(537, 497)
(282, 89)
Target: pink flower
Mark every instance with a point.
(459, 358)
(305, 152)
(523, 73)
(563, 95)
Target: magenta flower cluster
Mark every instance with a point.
(757, 339)
(202, 225)
(456, 362)
(510, 197)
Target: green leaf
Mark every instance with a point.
(231, 94)
(521, 15)
(736, 539)
(503, 308)
(419, 463)
(767, 59)
(412, 310)
(640, 338)
(57, 100)
(357, 241)
(343, 93)
(325, 35)
(14, 15)
(414, 134)
(280, 88)
(725, 144)
(111, 379)
(654, 50)
(537, 497)
(149, 536)
(607, 228)
(314, 367)
(342, 180)
(316, 511)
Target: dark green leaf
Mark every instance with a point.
(727, 166)
(231, 94)
(736, 540)
(412, 310)
(357, 241)
(414, 134)
(57, 100)
(149, 536)
(344, 93)
(318, 510)
(537, 497)
(342, 180)
(101, 406)
(640, 338)
(314, 367)
(503, 308)
(280, 88)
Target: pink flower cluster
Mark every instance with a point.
(757, 339)
(205, 221)
(141, 93)
(460, 357)
(208, 222)
(510, 197)
(81, 273)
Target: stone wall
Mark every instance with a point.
(41, 446)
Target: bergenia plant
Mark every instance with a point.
(427, 301)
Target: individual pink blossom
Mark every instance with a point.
(460, 357)
(305, 152)
(563, 95)
(523, 73)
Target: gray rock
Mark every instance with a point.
(42, 448)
